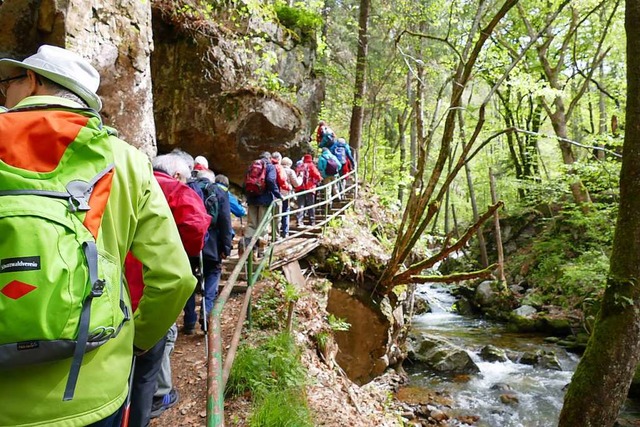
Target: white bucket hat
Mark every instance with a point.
(66, 68)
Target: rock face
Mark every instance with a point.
(205, 81)
(114, 36)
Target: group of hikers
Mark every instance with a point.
(273, 177)
(101, 250)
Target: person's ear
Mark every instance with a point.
(34, 83)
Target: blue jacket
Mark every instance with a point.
(271, 193)
(220, 233)
(236, 208)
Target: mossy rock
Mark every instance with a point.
(556, 326)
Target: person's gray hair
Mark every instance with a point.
(265, 155)
(222, 179)
(185, 156)
(207, 174)
(171, 164)
(287, 162)
(276, 155)
(54, 89)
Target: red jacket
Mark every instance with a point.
(309, 172)
(191, 218)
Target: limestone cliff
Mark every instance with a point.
(114, 36)
(230, 84)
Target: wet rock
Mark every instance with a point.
(542, 359)
(463, 307)
(525, 311)
(468, 419)
(556, 326)
(421, 306)
(524, 319)
(439, 415)
(530, 358)
(441, 355)
(501, 387)
(485, 294)
(549, 360)
(491, 353)
(509, 399)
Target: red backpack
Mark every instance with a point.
(255, 182)
(281, 178)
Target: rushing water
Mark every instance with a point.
(539, 391)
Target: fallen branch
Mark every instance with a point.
(457, 277)
(405, 276)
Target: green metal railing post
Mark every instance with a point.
(249, 285)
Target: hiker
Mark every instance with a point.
(342, 151)
(294, 181)
(285, 188)
(260, 188)
(310, 177)
(216, 249)
(200, 163)
(52, 140)
(329, 167)
(324, 135)
(171, 172)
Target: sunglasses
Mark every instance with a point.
(4, 83)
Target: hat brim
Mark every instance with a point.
(93, 101)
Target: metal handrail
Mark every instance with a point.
(217, 372)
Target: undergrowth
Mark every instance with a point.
(273, 375)
(569, 261)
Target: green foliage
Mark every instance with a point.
(338, 324)
(268, 310)
(569, 262)
(285, 408)
(299, 19)
(273, 365)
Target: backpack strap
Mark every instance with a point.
(78, 192)
(97, 287)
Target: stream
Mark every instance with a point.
(539, 391)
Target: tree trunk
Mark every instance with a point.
(601, 381)
(357, 113)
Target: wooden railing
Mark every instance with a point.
(217, 368)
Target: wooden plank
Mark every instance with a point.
(293, 273)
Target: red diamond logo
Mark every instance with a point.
(16, 289)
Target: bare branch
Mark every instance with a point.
(486, 273)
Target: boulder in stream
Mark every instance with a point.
(441, 355)
(490, 353)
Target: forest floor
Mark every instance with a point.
(333, 399)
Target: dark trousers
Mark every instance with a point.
(145, 379)
(212, 273)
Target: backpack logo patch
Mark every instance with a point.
(8, 265)
(16, 289)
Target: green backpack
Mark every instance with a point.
(61, 293)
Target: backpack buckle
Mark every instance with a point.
(80, 192)
(97, 288)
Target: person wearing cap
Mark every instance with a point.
(201, 163)
(52, 119)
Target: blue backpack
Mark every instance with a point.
(340, 151)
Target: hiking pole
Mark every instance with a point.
(203, 309)
(127, 403)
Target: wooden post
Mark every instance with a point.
(496, 221)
